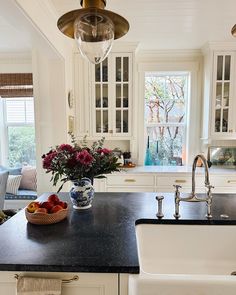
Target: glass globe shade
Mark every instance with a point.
(94, 34)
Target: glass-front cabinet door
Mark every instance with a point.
(122, 95)
(222, 94)
(111, 96)
(101, 99)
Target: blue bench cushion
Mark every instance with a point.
(22, 195)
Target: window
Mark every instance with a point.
(20, 133)
(166, 98)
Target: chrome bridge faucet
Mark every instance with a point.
(193, 197)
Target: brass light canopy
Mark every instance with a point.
(93, 24)
(233, 31)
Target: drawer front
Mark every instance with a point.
(184, 181)
(130, 180)
(226, 181)
(131, 189)
(170, 181)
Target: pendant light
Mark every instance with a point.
(93, 28)
(233, 31)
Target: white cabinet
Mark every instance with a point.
(223, 95)
(88, 283)
(163, 182)
(130, 183)
(219, 121)
(111, 96)
(166, 183)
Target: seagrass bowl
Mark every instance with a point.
(46, 218)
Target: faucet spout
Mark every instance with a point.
(207, 181)
(193, 197)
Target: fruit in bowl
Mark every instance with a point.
(51, 211)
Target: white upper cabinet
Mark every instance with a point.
(111, 96)
(219, 120)
(223, 98)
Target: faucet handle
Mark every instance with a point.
(177, 187)
(209, 186)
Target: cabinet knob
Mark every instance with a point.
(110, 131)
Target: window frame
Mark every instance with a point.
(172, 124)
(4, 144)
(193, 119)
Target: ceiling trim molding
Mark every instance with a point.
(169, 53)
(225, 46)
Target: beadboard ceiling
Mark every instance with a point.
(170, 24)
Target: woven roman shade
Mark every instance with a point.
(16, 85)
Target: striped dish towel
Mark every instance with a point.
(38, 286)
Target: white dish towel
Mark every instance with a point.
(38, 286)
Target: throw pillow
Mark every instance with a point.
(13, 184)
(29, 178)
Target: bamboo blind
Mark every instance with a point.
(16, 85)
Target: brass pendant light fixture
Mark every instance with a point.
(233, 31)
(93, 28)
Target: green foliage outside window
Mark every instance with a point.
(21, 145)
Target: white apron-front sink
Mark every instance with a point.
(185, 260)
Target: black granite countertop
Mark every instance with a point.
(100, 239)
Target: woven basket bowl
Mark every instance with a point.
(41, 218)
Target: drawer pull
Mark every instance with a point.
(231, 181)
(180, 181)
(130, 180)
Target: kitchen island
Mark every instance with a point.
(98, 240)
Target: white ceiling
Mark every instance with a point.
(170, 24)
(15, 34)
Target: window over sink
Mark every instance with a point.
(165, 115)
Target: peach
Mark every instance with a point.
(62, 204)
(33, 206)
(53, 198)
(56, 208)
(47, 205)
(41, 210)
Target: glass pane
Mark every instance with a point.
(219, 67)
(98, 95)
(97, 73)
(225, 120)
(21, 146)
(104, 71)
(217, 121)
(226, 94)
(105, 121)
(105, 95)
(166, 145)
(125, 69)
(227, 67)
(165, 98)
(125, 96)
(98, 122)
(118, 95)
(118, 121)
(118, 69)
(218, 94)
(125, 121)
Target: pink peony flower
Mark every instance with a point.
(84, 157)
(66, 147)
(104, 151)
(47, 160)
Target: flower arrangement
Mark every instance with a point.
(70, 162)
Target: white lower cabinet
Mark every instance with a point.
(164, 182)
(88, 283)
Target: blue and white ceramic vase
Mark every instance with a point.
(82, 193)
